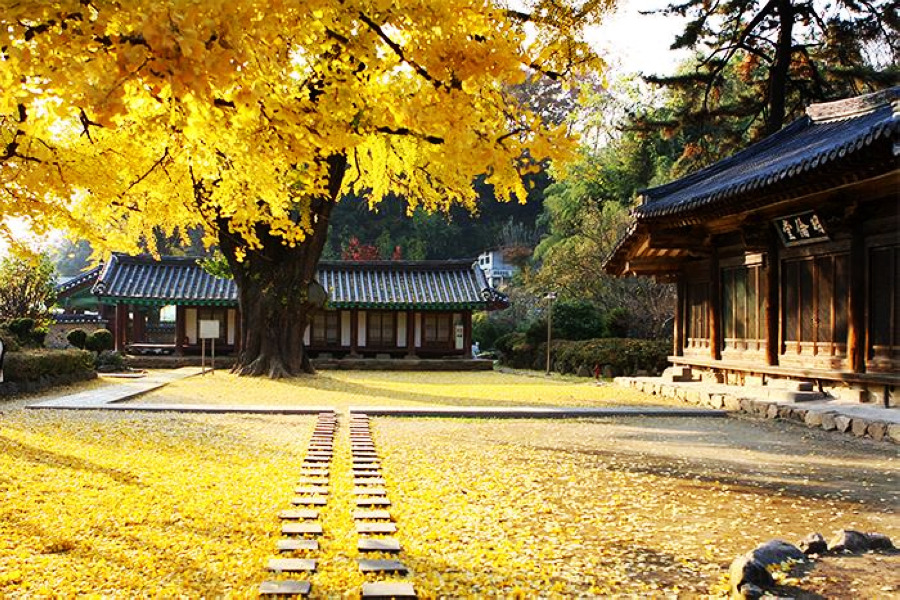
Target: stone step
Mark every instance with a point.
(373, 502)
(291, 565)
(298, 514)
(313, 481)
(366, 473)
(369, 491)
(311, 490)
(366, 528)
(284, 587)
(317, 458)
(309, 501)
(301, 528)
(369, 481)
(385, 544)
(293, 545)
(309, 472)
(388, 591)
(370, 565)
(372, 514)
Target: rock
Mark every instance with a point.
(747, 576)
(893, 432)
(828, 421)
(859, 427)
(814, 543)
(746, 405)
(842, 423)
(848, 540)
(734, 404)
(813, 418)
(772, 411)
(879, 541)
(877, 431)
(775, 552)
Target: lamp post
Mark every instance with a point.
(551, 296)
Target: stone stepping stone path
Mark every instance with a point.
(370, 491)
(312, 490)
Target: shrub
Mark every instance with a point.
(486, 330)
(109, 361)
(78, 338)
(99, 341)
(576, 320)
(617, 323)
(622, 355)
(10, 341)
(43, 364)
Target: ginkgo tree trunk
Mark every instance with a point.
(251, 118)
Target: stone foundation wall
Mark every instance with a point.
(811, 416)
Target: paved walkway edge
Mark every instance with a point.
(828, 414)
(530, 412)
(192, 408)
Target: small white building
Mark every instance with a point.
(497, 271)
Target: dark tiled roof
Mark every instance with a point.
(88, 277)
(828, 133)
(376, 284)
(72, 319)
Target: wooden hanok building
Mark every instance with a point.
(787, 254)
(375, 309)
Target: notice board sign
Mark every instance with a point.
(209, 329)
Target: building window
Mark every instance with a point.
(743, 308)
(437, 330)
(381, 329)
(815, 305)
(326, 328)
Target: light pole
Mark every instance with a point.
(551, 296)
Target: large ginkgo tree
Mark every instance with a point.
(250, 119)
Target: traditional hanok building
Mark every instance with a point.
(787, 254)
(375, 309)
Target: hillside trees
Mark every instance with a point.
(250, 118)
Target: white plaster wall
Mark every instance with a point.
(361, 324)
(190, 325)
(418, 334)
(401, 330)
(231, 328)
(457, 322)
(345, 328)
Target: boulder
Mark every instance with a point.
(842, 423)
(879, 541)
(747, 576)
(814, 543)
(775, 552)
(848, 540)
(877, 430)
(813, 418)
(859, 427)
(828, 421)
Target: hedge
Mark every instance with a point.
(615, 356)
(37, 365)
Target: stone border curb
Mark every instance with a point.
(529, 412)
(823, 417)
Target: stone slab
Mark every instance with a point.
(367, 473)
(386, 591)
(317, 458)
(285, 588)
(385, 544)
(369, 481)
(371, 514)
(292, 545)
(313, 481)
(291, 565)
(369, 565)
(311, 490)
(301, 528)
(309, 501)
(310, 472)
(539, 412)
(369, 491)
(366, 528)
(299, 514)
(373, 502)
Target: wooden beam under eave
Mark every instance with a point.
(653, 266)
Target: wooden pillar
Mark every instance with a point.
(354, 331)
(680, 298)
(138, 328)
(773, 301)
(179, 330)
(715, 305)
(410, 334)
(121, 325)
(856, 322)
(238, 332)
